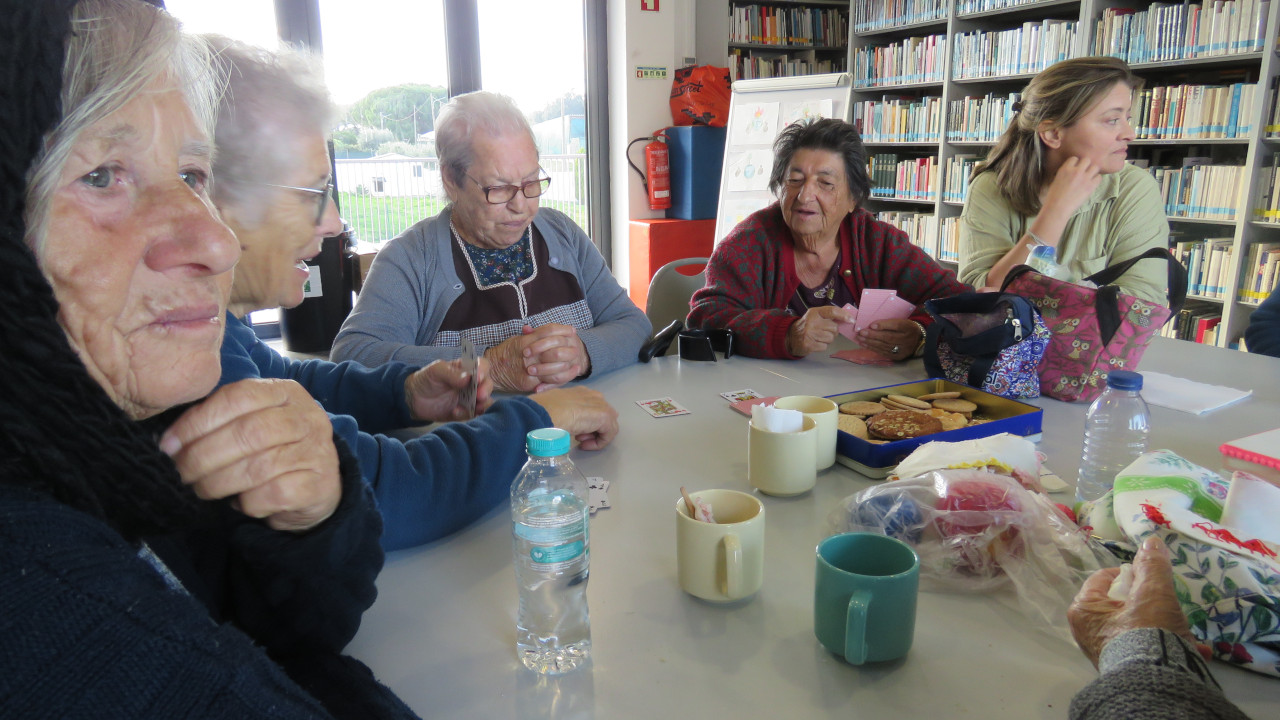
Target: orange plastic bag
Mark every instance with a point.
(700, 96)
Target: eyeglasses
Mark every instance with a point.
(503, 194)
(323, 195)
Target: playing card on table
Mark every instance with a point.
(744, 406)
(597, 493)
(738, 395)
(662, 407)
(470, 363)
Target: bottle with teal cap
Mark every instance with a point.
(550, 517)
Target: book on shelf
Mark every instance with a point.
(1179, 31)
(1257, 272)
(871, 15)
(1027, 49)
(1266, 207)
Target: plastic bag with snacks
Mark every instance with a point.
(979, 531)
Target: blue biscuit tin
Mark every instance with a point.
(1000, 415)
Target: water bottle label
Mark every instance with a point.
(548, 555)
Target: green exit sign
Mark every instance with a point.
(645, 72)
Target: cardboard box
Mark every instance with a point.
(697, 155)
(876, 461)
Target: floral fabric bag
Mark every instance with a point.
(991, 341)
(1095, 330)
(1228, 583)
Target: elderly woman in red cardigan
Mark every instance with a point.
(781, 277)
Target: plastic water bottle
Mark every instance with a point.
(1115, 433)
(549, 515)
(1044, 260)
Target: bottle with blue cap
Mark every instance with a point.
(1115, 434)
(550, 517)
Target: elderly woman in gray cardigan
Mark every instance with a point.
(525, 285)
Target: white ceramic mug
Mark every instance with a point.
(783, 463)
(721, 561)
(824, 412)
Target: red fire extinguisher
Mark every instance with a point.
(657, 176)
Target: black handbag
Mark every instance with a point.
(991, 341)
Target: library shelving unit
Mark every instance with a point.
(780, 38)
(934, 82)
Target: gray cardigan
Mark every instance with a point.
(412, 284)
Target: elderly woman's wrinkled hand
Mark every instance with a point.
(267, 445)
(896, 339)
(539, 359)
(815, 330)
(583, 412)
(433, 392)
(1096, 618)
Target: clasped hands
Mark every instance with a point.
(896, 339)
(538, 359)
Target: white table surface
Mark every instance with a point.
(442, 633)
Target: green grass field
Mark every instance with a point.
(376, 220)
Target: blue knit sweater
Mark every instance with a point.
(426, 487)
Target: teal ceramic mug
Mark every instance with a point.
(864, 600)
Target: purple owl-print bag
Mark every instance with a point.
(1095, 330)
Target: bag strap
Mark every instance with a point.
(1107, 300)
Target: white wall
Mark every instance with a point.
(680, 29)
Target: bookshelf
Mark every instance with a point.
(780, 38)
(934, 82)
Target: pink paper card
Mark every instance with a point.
(744, 406)
(849, 329)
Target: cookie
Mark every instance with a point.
(892, 405)
(899, 424)
(950, 394)
(862, 408)
(909, 402)
(952, 421)
(852, 424)
(956, 405)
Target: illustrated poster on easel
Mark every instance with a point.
(758, 111)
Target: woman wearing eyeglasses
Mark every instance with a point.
(269, 167)
(526, 285)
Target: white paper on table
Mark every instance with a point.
(1188, 396)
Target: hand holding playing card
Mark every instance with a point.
(437, 392)
(815, 330)
(895, 339)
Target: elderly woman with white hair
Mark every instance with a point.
(526, 285)
(272, 183)
(166, 551)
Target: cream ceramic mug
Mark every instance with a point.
(721, 561)
(824, 412)
(783, 463)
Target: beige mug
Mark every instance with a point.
(783, 463)
(824, 412)
(721, 561)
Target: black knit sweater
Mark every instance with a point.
(121, 595)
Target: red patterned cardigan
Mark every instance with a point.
(752, 275)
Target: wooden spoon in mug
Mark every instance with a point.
(688, 503)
